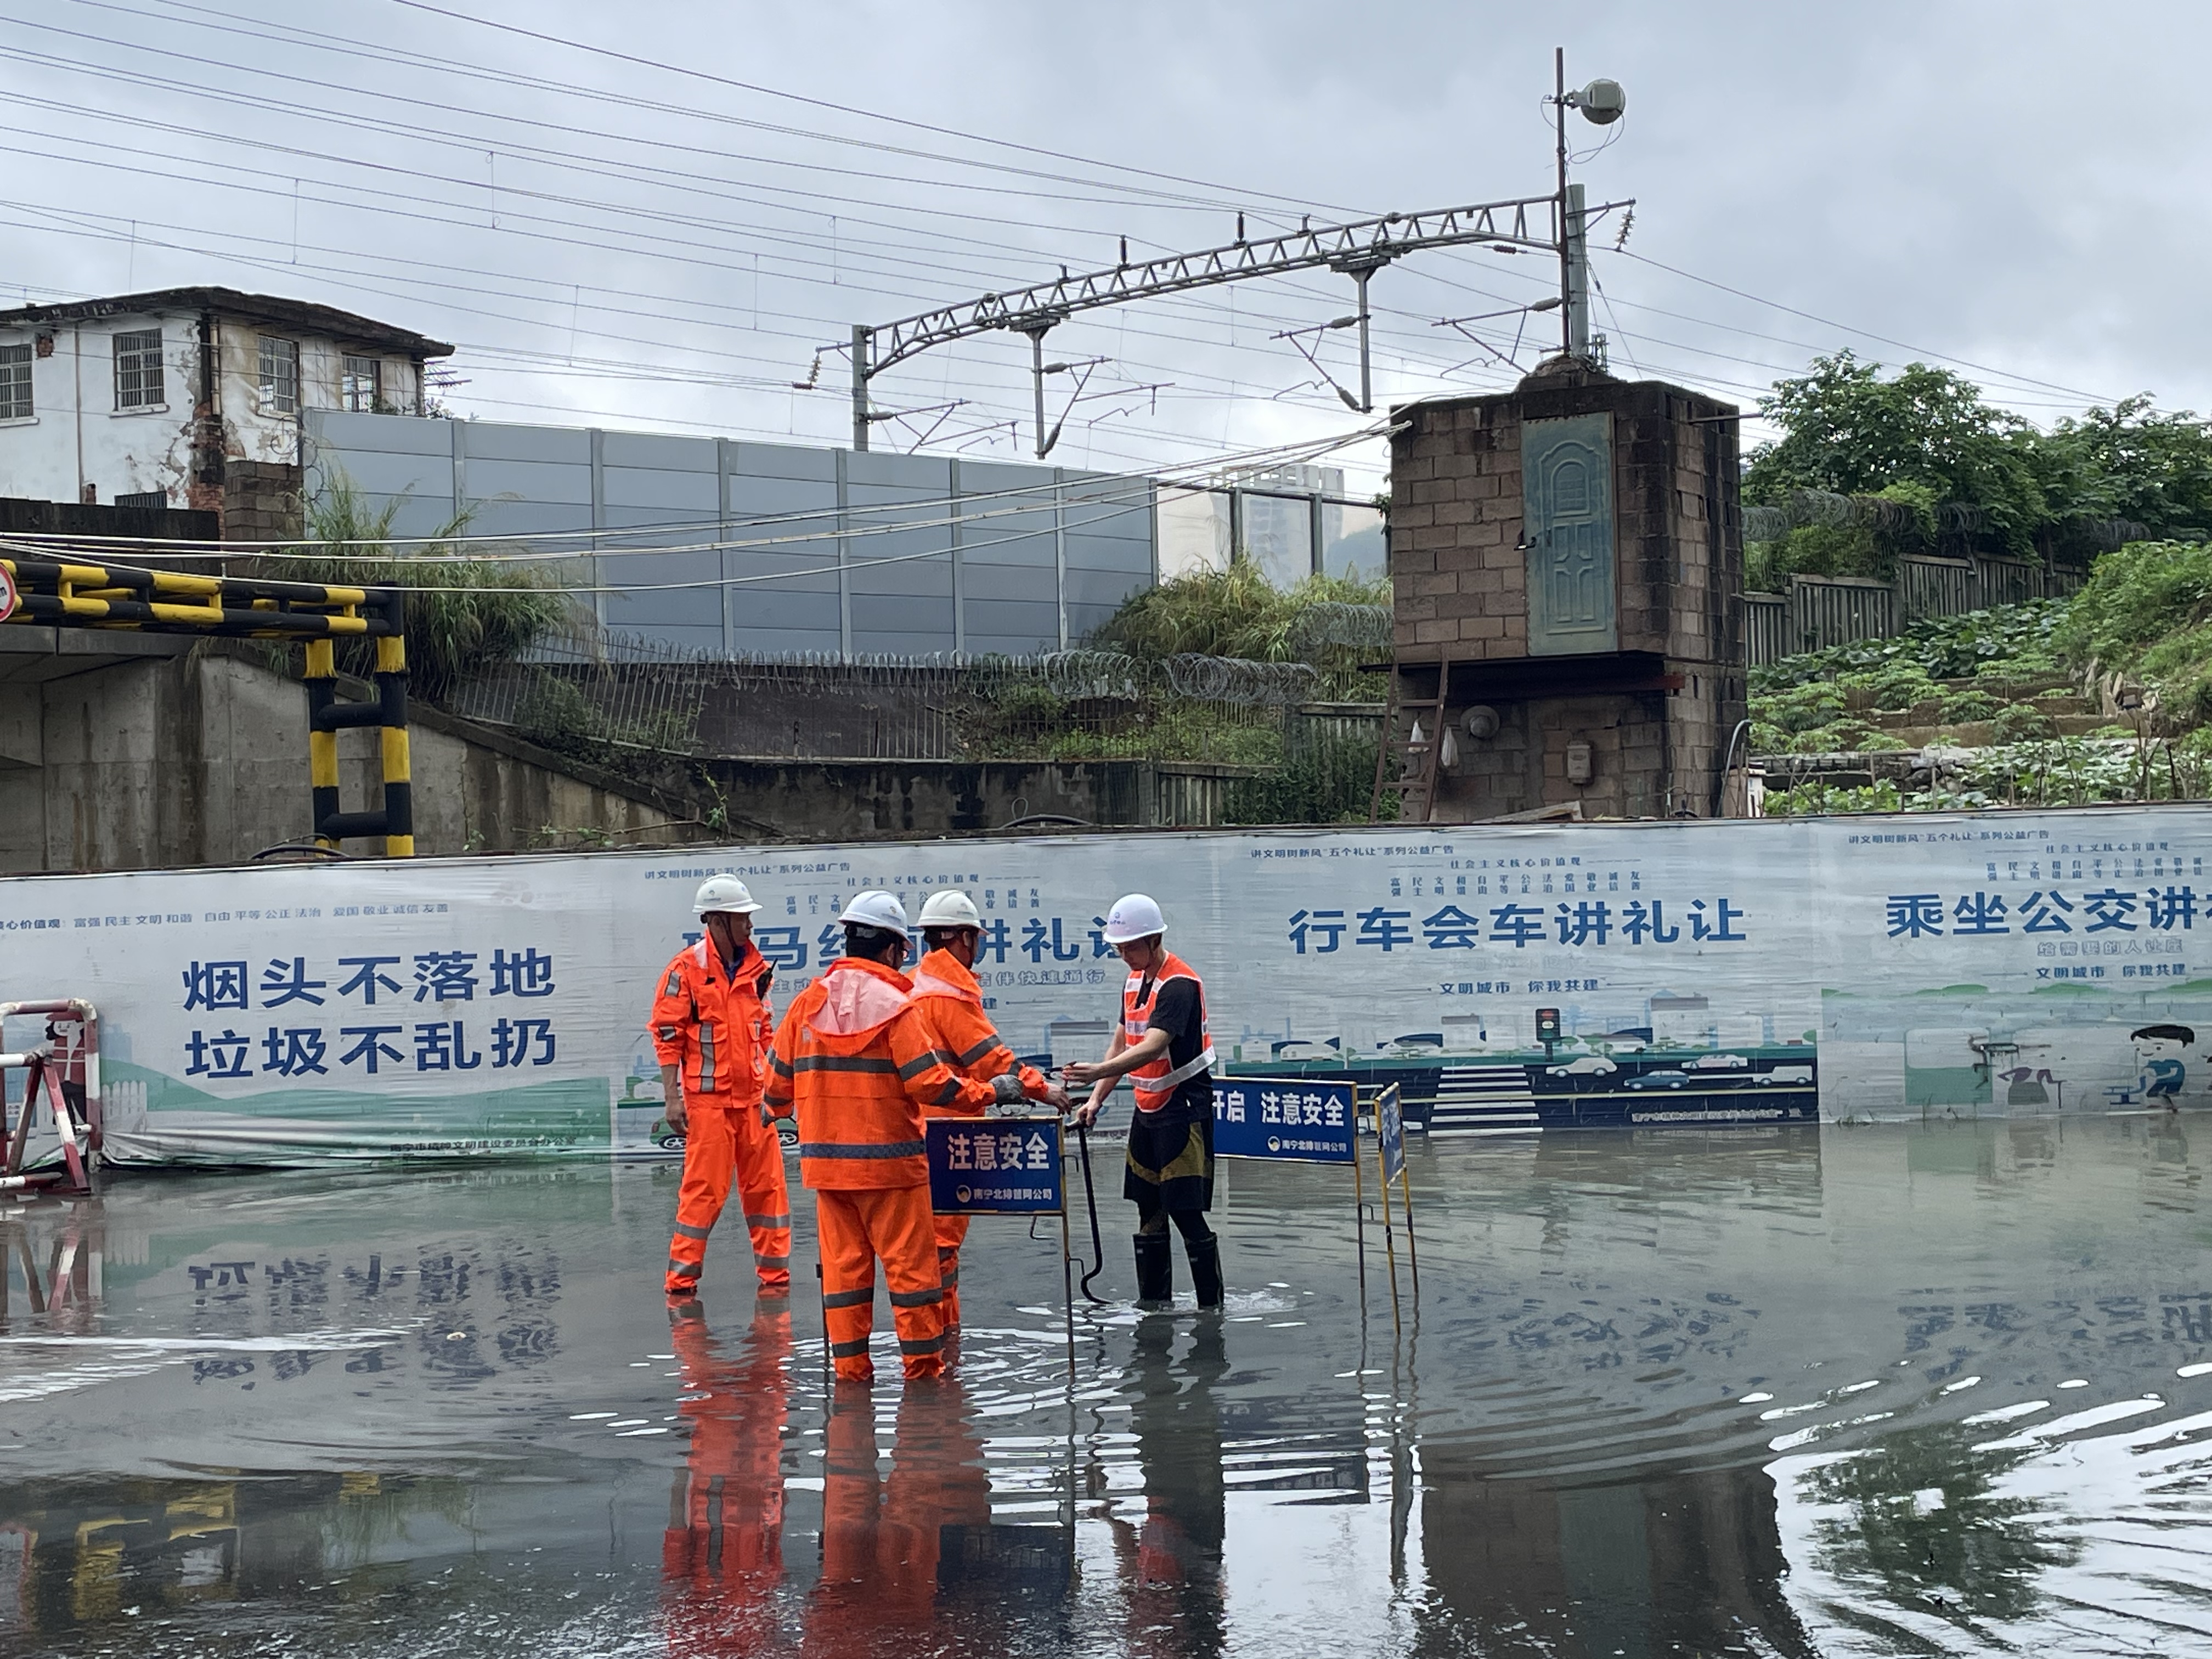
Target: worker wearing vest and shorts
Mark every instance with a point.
(1165, 1051)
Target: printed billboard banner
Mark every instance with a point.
(1702, 973)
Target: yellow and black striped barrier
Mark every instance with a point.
(64, 593)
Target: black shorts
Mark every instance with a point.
(1170, 1166)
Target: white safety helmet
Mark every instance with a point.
(1134, 916)
(723, 892)
(949, 908)
(878, 910)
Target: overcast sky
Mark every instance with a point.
(2016, 187)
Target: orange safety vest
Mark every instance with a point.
(949, 1003)
(858, 1067)
(1154, 1082)
(715, 1026)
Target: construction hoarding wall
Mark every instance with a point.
(1695, 973)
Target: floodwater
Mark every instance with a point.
(1874, 1390)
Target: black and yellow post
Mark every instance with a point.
(62, 592)
(327, 717)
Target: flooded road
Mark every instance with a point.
(1873, 1390)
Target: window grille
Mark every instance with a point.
(280, 375)
(139, 369)
(361, 385)
(15, 382)
(153, 498)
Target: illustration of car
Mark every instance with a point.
(1583, 1065)
(1800, 1074)
(1718, 1063)
(1668, 1078)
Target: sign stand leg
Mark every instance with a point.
(1358, 1204)
(1067, 1287)
(1389, 1245)
(1412, 1255)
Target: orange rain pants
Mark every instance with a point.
(721, 1559)
(952, 1232)
(725, 1144)
(857, 1225)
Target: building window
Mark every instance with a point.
(156, 499)
(280, 375)
(15, 382)
(139, 369)
(361, 385)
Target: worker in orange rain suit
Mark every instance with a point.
(857, 1065)
(721, 1558)
(712, 1025)
(950, 1003)
(883, 1541)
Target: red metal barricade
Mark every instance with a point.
(62, 1074)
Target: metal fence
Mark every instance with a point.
(1228, 741)
(636, 691)
(1819, 611)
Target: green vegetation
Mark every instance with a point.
(1237, 613)
(1821, 702)
(1263, 651)
(463, 613)
(1873, 467)
(2016, 688)
(2146, 614)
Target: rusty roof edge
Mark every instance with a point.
(252, 307)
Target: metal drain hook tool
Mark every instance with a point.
(1090, 1198)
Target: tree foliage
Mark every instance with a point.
(1872, 465)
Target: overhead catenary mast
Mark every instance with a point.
(1357, 250)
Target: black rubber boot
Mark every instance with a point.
(1155, 1269)
(1206, 1269)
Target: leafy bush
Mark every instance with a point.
(1238, 612)
(2017, 638)
(1808, 800)
(1960, 706)
(2018, 723)
(2146, 612)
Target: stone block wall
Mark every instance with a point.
(1657, 711)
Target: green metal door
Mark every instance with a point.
(1567, 486)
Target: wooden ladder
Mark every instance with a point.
(1418, 750)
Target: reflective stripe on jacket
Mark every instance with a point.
(1154, 1082)
(950, 1004)
(858, 1067)
(716, 1026)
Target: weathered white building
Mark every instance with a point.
(188, 398)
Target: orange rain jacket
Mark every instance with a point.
(951, 1004)
(859, 1066)
(716, 1026)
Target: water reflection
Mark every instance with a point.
(1795, 1393)
(1170, 1560)
(722, 1560)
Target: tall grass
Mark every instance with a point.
(462, 612)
